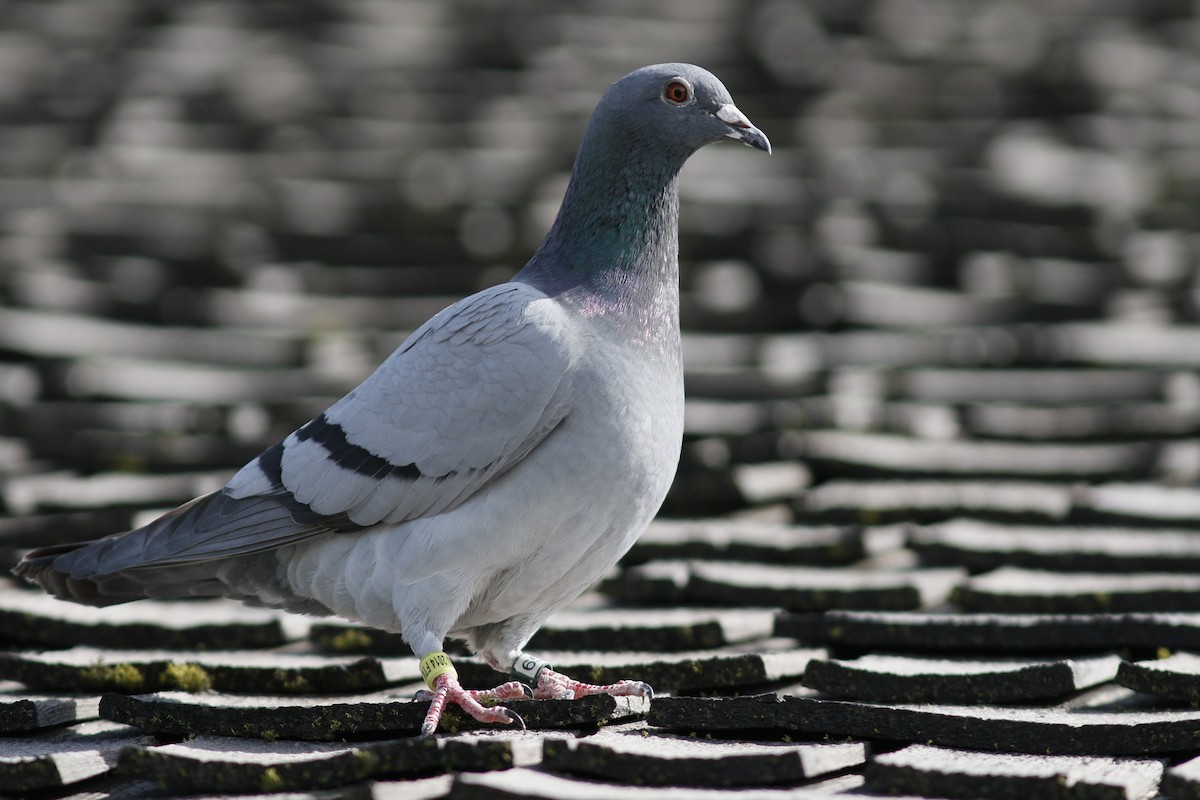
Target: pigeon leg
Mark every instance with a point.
(556, 686)
(442, 679)
(551, 685)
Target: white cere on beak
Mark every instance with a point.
(741, 129)
(730, 115)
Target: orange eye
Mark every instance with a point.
(677, 92)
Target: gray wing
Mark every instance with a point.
(463, 400)
(466, 398)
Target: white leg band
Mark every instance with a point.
(526, 669)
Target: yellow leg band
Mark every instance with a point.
(434, 666)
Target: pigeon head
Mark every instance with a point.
(616, 231)
(675, 109)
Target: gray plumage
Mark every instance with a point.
(503, 458)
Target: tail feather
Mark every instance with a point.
(200, 549)
(38, 567)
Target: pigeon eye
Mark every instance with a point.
(677, 91)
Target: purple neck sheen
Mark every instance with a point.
(614, 245)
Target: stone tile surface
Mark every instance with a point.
(1009, 729)
(650, 759)
(934, 530)
(969, 680)
(929, 771)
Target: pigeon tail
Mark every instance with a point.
(38, 567)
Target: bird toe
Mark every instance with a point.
(639, 689)
(556, 686)
(480, 705)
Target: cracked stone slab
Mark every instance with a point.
(1124, 344)
(351, 637)
(747, 540)
(1139, 503)
(657, 583)
(1040, 386)
(221, 764)
(47, 333)
(64, 756)
(667, 671)
(852, 452)
(602, 629)
(149, 379)
(803, 589)
(705, 417)
(807, 589)
(647, 759)
(338, 718)
(789, 588)
(87, 669)
(967, 680)
(1177, 676)
(30, 712)
(981, 545)
(530, 784)
(431, 788)
(1182, 780)
(112, 786)
(1021, 729)
(41, 530)
(1082, 421)
(926, 771)
(32, 618)
(984, 633)
(880, 501)
(1015, 590)
(61, 490)
(652, 630)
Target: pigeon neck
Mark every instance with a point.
(616, 237)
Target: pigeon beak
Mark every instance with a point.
(743, 130)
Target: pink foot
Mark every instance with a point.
(478, 703)
(553, 685)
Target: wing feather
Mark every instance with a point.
(463, 400)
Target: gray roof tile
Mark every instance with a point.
(337, 718)
(936, 772)
(968, 679)
(650, 759)
(994, 728)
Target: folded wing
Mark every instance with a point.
(463, 400)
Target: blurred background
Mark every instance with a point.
(972, 254)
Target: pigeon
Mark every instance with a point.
(493, 467)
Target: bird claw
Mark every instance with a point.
(481, 705)
(637, 689)
(556, 686)
(514, 717)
